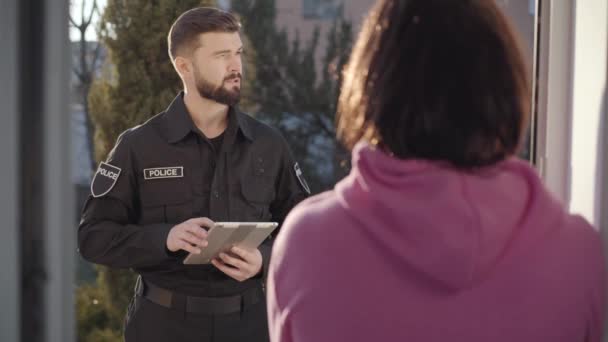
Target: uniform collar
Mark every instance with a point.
(179, 123)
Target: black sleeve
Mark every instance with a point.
(291, 189)
(107, 233)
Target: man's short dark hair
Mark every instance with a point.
(184, 32)
(437, 80)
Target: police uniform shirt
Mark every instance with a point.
(166, 171)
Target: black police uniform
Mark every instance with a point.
(165, 172)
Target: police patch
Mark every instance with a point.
(104, 180)
(303, 183)
(164, 172)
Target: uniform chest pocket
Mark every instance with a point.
(256, 195)
(165, 201)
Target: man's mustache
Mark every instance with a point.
(233, 76)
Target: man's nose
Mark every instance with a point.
(235, 64)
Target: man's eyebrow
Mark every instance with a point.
(226, 51)
(221, 52)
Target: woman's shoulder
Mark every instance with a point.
(311, 223)
(314, 212)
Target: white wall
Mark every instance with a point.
(589, 83)
(553, 131)
(572, 83)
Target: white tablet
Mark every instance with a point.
(223, 235)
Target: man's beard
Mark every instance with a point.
(219, 93)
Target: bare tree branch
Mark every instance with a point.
(84, 21)
(86, 66)
(78, 74)
(93, 9)
(73, 22)
(82, 12)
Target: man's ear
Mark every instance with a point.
(182, 66)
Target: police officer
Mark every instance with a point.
(167, 180)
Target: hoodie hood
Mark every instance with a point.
(452, 226)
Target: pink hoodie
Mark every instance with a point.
(413, 251)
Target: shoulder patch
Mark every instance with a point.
(301, 179)
(104, 179)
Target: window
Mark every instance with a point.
(224, 4)
(321, 9)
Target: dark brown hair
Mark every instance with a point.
(186, 29)
(437, 80)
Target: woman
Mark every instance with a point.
(439, 233)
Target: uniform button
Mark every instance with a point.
(216, 194)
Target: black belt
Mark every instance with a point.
(193, 304)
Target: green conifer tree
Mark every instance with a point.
(289, 90)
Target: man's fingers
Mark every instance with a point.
(193, 239)
(196, 230)
(185, 245)
(235, 262)
(229, 271)
(241, 252)
(202, 222)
